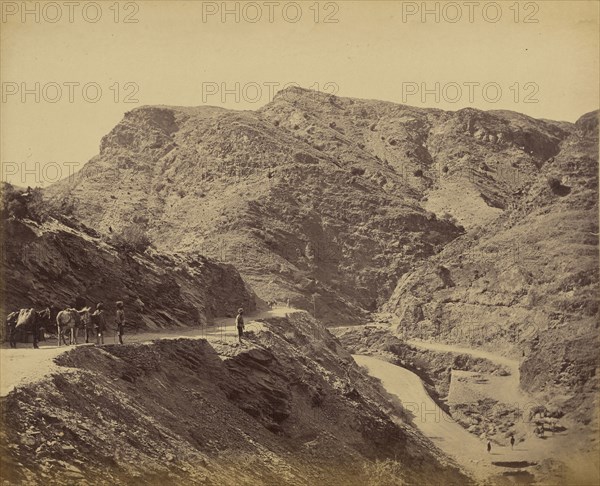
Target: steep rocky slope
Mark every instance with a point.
(527, 283)
(52, 264)
(470, 227)
(487, 157)
(289, 407)
(323, 200)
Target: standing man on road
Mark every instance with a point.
(100, 323)
(239, 323)
(120, 321)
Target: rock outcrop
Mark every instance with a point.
(525, 284)
(55, 265)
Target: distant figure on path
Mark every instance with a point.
(99, 323)
(239, 322)
(120, 321)
(512, 441)
(489, 446)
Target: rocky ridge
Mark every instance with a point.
(288, 407)
(525, 284)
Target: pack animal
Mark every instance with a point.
(540, 410)
(71, 320)
(27, 320)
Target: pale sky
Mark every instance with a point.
(376, 50)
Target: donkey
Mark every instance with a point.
(540, 410)
(71, 319)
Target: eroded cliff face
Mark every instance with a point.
(55, 265)
(288, 407)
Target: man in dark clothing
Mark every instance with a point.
(11, 324)
(89, 327)
(512, 441)
(32, 321)
(489, 446)
(239, 322)
(120, 321)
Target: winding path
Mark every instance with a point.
(468, 450)
(505, 389)
(26, 365)
(511, 364)
(430, 419)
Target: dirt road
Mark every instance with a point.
(27, 365)
(509, 363)
(470, 451)
(504, 389)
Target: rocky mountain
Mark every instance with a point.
(525, 283)
(484, 223)
(322, 200)
(468, 227)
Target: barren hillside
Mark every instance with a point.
(323, 200)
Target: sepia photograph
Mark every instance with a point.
(299, 243)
